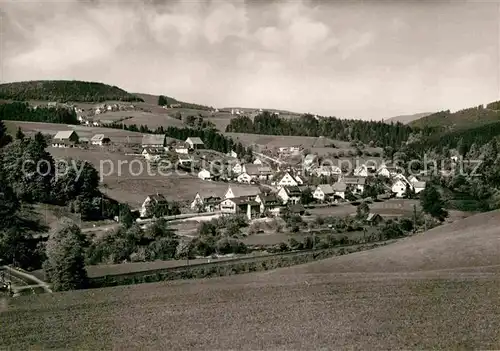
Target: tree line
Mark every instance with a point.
(377, 133)
(22, 111)
(64, 91)
(167, 101)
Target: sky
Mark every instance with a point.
(357, 59)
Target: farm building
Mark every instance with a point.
(258, 171)
(66, 138)
(100, 139)
(150, 202)
(323, 192)
(181, 148)
(195, 143)
(249, 192)
(241, 205)
(153, 140)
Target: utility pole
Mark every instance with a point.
(414, 218)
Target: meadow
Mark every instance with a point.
(434, 290)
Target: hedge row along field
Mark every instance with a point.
(225, 268)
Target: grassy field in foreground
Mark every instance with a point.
(435, 290)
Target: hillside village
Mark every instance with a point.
(274, 185)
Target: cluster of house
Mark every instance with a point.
(259, 172)
(155, 146)
(250, 201)
(69, 138)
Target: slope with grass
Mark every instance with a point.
(436, 290)
(405, 119)
(63, 91)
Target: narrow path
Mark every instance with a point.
(29, 278)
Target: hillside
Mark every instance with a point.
(466, 118)
(405, 119)
(64, 91)
(436, 290)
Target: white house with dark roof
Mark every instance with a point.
(65, 138)
(99, 139)
(195, 143)
(289, 194)
(153, 140)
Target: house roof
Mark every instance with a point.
(339, 187)
(243, 200)
(153, 139)
(64, 134)
(98, 137)
(195, 140)
(354, 180)
(419, 184)
(293, 190)
(245, 191)
(252, 169)
(372, 216)
(297, 208)
(270, 199)
(326, 189)
(153, 150)
(310, 158)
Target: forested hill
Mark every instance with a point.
(167, 101)
(368, 132)
(64, 91)
(467, 118)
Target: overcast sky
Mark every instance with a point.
(367, 60)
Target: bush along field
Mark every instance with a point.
(230, 267)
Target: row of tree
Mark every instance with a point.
(167, 101)
(22, 111)
(377, 133)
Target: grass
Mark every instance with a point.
(436, 290)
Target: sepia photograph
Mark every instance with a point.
(249, 175)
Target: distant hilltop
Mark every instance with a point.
(64, 91)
